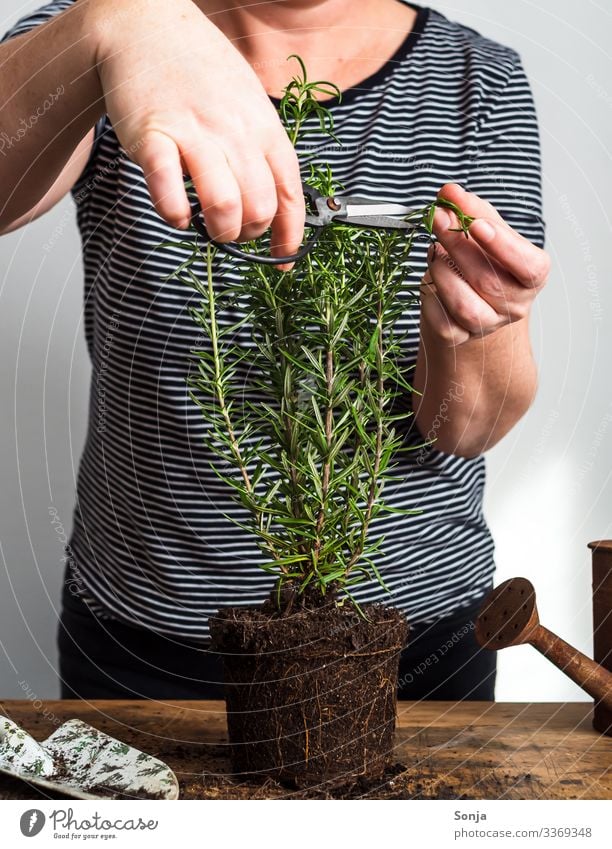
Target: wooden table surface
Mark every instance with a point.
(472, 750)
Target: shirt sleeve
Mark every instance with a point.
(505, 167)
(40, 16)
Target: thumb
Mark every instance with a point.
(469, 203)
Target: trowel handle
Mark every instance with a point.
(592, 677)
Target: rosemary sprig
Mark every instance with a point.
(303, 422)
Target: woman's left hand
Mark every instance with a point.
(473, 286)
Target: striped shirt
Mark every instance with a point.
(152, 542)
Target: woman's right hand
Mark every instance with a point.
(182, 99)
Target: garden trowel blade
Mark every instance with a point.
(82, 762)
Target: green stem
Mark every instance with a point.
(326, 468)
(218, 379)
(380, 389)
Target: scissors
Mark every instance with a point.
(321, 211)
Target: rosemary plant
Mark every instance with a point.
(305, 420)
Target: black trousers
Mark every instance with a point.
(105, 659)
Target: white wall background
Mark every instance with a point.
(549, 489)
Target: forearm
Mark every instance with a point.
(50, 97)
(474, 393)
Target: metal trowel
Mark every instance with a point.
(79, 761)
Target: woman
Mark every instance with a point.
(148, 90)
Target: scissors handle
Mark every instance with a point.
(232, 248)
(320, 211)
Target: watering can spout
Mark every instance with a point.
(509, 617)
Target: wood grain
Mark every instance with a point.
(471, 750)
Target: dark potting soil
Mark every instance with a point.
(310, 694)
(397, 782)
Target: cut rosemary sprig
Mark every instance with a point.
(303, 383)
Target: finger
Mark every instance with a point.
(288, 223)
(433, 311)
(217, 190)
(528, 263)
(492, 282)
(258, 194)
(160, 160)
(525, 261)
(463, 304)
(468, 202)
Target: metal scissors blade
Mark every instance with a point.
(361, 212)
(321, 211)
(388, 216)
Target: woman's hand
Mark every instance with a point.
(474, 286)
(181, 98)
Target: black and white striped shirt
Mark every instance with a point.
(151, 543)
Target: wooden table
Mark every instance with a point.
(445, 750)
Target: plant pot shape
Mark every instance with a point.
(311, 697)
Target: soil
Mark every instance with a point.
(396, 782)
(311, 694)
(204, 771)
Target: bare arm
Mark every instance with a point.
(181, 99)
(472, 395)
(50, 98)
(475, 367)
